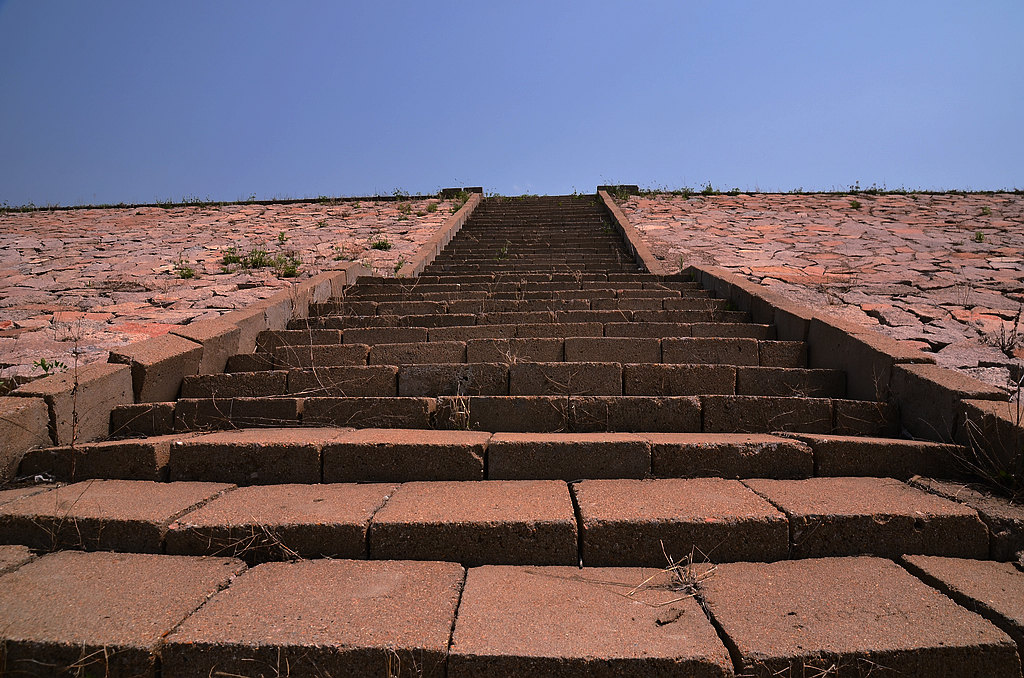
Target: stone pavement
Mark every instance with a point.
(113, 276)
(945, 272)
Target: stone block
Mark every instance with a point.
(678, 380)
(219, 339)
(394, 412)
(634, 413)
(641, 522)
(24, 425)
(398, 455)
(765, 414)
(563, 378)
(477, 522)
(864, 615)
(567, 456)
(113, 459)
(158, 365)
(929, 397)
(709, 350)
(449, 379)
(341, 382)
(80, 404)
(144, 419)
(728, 455)
(876, 516)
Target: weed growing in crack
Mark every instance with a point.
(379, 242)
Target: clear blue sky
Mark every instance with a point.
(141, 101)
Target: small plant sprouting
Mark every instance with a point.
(708, 189)
(503, 252)
(282, 237)
(405, 208)
(287, 265)
(399, 264)
(431, 207)
(979, 236)
(50, 366)
(986, 211)
(322, 223)
(231, 256)
(379, 242)
(183, 270)
(855, 204)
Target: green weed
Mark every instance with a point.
(379, 242)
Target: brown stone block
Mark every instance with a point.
(214, 413)
(639, 522)
(341, 382)
(993, 590)
(418, 353)
(791, 354)
(1004, 519)
(929, 398)
(790, 382)
(453, 379)
(836, 455)
(877, 516)
(331, 355)
(250, 322)
(24, 425)
(80, 401)
(467, 332)
(385, 335)
(765, 414)
(709, 350)
(634, 413)
(102, 614)
(13, 556)
(556, 330)
(219, 339)
(158, 366)
(108, 515)
(514, 350)
(477, 522)
(732, 330)
(636, 615)
(866, 616)
(398, 455)
(613, 349)
(865, 418)
(281, 522)
(270, 340)
(503, 413)
(560, 378)
(251, 457)
(650, 330)
(144, 419)
(323, 617)
(728, 455)
(993, 429)
(235, 385)
(369, 412)
(113, 459)
(567, 456)
(678, 380)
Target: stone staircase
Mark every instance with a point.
(533, 459)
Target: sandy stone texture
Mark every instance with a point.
(944, 271)
(103, 278)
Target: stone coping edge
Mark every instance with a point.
(935, 403)
(637, 247)
(156, 365)
(430, 249)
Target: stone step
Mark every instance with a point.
(596, 522)
(574, 323)
(520, 378)
(541, 413)
(255, 456)
(130, 614)
(568, 342)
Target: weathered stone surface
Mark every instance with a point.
(993, 590)
(398, 455)
(13, 556)
(80, 401)
(929, 398)
(144, 459)
(24, 425)
(850, 616)
(1005, 519)
(158, 366)
(837, 455)
(765, 414)
(728, 455)
(634, 413)
(101, 613)
(219, 339)
(252, 457)
(281, 522)
(453, 379)
(517, 621)
(110, 515)
(567, 456)
(877, 516)
(340, 382)
(565, 378)
(643, 522)
(326, 617)
(478, 522)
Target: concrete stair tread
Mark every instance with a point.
(615, 522)
(131, 613)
